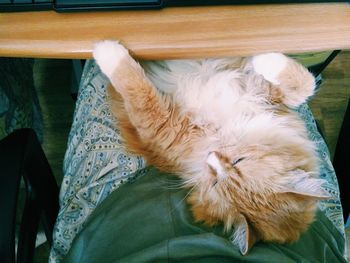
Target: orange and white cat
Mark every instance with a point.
(225, 127)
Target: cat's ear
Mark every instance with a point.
(299, 182)
(244, 236)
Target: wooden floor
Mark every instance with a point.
(329, 104)
(53, 81)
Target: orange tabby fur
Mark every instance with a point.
(259, 180)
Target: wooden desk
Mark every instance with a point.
(180, 32)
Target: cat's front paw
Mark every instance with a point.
(108, 55)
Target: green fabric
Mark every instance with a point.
(311, 59)
(149, 221)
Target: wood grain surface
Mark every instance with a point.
(171, 33)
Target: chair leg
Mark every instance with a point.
(341, 163)
(316, 70)
(29, 227)
(21, 155)
(10, 177)
(41, 179)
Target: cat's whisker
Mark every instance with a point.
(176, 184)
(183, 199)
(173, 184)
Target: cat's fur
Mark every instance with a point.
(223, 125)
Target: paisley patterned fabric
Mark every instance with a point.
(331, 207)
(96, 162)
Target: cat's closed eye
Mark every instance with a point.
(236, 161)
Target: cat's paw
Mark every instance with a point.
(108, 55)
(270, 66)
(292, 83)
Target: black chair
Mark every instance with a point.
(21, 156)
(342, 151)
(341, 163)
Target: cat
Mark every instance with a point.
(226, 127)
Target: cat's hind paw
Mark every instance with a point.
(270, 66)
(108, 55)
(291, 81)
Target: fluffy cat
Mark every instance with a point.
(225, 127)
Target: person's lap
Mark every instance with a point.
(149, 221)
(96, 163)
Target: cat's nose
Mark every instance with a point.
(213, 160)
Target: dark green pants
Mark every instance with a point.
(149, 221)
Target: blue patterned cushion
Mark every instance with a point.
(96, 162)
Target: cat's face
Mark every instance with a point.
(263, 192)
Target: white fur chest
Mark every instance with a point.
(212, 95)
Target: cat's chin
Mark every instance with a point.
(212, 212)
(202, 213)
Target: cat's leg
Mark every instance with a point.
(151, 124)
(147, 108)
(291, 83)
